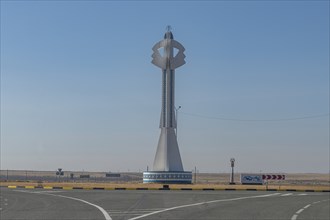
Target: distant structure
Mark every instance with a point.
(167, 168)
(232, 164)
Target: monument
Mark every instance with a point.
(167, 168)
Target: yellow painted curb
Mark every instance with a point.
(67, 187)
(48, 187)
(175, 189)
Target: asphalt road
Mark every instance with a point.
(230, 205)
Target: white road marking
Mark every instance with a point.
(302, 194)
(288, 194)
(146, 210)
(295, 216)
(201, 203)
(267, 195)
(49, 191)
(125, 214)
(307, 206)
(129, 212)
(120, 213)
(106, 215)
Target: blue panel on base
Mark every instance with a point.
(167, 177)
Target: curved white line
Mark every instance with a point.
(200, 203)
(307, 206)
(106, 215)
(299, 211)
(295, 216)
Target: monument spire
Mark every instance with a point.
(168, 159)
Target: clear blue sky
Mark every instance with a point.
(78, 89)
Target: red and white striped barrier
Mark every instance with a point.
(273, 177)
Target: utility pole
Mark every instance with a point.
(195, 177)
(232, 164)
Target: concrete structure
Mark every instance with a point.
(167, 168)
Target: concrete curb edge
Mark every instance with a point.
(147, 188)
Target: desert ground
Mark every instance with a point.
(315, 181)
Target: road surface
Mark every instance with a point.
(106, 204)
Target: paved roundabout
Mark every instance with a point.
(153, 204)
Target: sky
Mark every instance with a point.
(78, 90)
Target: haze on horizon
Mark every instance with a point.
(78, 89)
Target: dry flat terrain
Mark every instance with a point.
(134, 180)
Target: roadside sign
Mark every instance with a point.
(252, 179)
(273, 177)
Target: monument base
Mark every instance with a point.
(167, 177)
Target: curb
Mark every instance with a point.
(145, 188)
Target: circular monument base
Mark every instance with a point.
(167, 177)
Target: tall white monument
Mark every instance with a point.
(167, 168)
